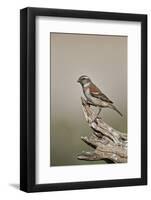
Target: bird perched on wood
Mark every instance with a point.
(94, 95)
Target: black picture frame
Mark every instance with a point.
(28, 99)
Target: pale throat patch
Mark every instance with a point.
(86, 84)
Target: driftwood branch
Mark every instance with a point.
(108, 143)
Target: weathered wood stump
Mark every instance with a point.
(108, 143)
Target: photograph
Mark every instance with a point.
(88, 99)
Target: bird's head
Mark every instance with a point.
(84, 80)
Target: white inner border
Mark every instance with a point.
(47, 174)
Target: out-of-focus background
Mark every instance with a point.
(104, 60)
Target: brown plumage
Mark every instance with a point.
(95, 96)
(96, 92)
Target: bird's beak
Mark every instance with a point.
(78, 80)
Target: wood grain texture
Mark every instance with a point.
(108, 143)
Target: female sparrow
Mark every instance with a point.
(94, 95)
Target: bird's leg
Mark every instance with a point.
(97, 114)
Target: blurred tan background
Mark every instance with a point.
(104, 60)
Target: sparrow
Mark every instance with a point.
(95, 96)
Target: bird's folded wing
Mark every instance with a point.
(95, 92)
(105, 98)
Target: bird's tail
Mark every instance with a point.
(114, 108)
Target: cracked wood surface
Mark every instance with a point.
(108, 143)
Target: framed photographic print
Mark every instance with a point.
(83, 99)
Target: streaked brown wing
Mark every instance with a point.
(105, 98)
(96, 92)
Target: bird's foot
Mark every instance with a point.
(97, 116)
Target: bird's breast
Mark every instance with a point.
(90, 97)
(87, 94)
